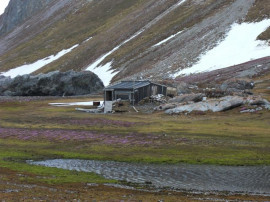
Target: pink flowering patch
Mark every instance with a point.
(74, 135)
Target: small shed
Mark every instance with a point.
(134, 91)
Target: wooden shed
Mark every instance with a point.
(134, 91)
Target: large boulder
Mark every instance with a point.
(194, 97)
(214, 105)
(183, 88)
(52, 84)
(235, 85)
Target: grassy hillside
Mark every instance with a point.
(260, 11)
(109, 23)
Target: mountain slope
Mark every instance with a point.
(137, 39)
(18, 11)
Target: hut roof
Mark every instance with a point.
(128, 85)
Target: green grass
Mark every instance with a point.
(13, 156)
(227, 138)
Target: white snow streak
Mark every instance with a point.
(104, 72)
(239, 46)
(3, 5)
(74, 104)
(29, 68)
(167, 39)
(87, 39)
(181, 2)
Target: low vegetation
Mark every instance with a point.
(31, 129)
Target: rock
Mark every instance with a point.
(187, 97)
(52, 84)
(158, 98)
(214, 105)
(4, 84)
(18, 11)
(183, 88)
(215, 92)
(165, 107)
(257, 100)
(171, 92)
(251, 110)
(235, 85)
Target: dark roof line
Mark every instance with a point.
(130, 85)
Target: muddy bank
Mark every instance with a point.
(235, 179)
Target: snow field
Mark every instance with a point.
(239, 46)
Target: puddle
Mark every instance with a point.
(243, 179)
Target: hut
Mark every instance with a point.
(134, 91)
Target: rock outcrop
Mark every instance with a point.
(51, 84)
(18, 11)
(216, 105)
(234, 85)
(195, 97)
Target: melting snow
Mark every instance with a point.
(4, 4)
(87, 39)
(167, 39)
(239, 46)
(74, 104)
(29, 68)
(181, 2)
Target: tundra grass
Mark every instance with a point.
(41, 131)
(14, 159)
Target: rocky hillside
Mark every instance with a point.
(152, 39)
(19, 11)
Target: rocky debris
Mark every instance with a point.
(217, 105)
(215, 93)
(245, 110)
(214, 105)
(153, 99)
(234, 85)
(183, 88)
(195, 97)
(158, 98)
(166, 106)
(257, 100)
(172, 92)
(52, 84)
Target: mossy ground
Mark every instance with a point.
(32, 129)
(227, 138)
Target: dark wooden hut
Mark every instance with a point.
(134, 91)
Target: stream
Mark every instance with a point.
(243, 179)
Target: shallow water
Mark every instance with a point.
(247, 179)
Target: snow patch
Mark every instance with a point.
(181, 2)
(87, 39)
(167, 39)
(29, 68)
(239, 46)
(3, 5)
(75, 104)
